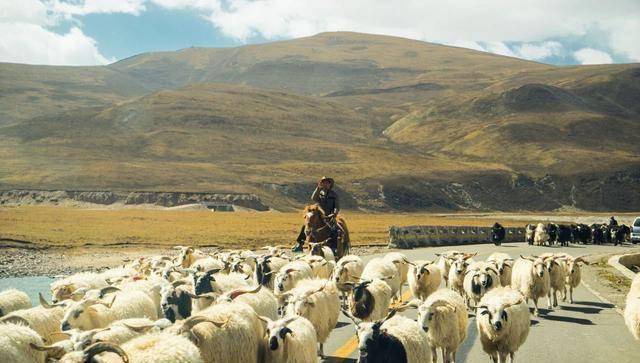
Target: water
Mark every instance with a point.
(31, 285)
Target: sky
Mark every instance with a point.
(96, 32)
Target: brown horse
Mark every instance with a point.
(317, 229)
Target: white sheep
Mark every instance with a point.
(63, 289)
(45, 321)
(503, 263)
(459, 265)
(424, 278)
(503, 323)
(573, 273)
(16, 342)
(541, 236)
(480, 277)
(209, 285)
(290, 340)
(156, 347)
(394, 339)
(347, 270)
(188, 256)
(261, 300)
(383, 270)
(316, 300)
(320, 249)
(443, 315)
(632, 308)
(320, 267)
(266, 268)
(225, 333)
(12, 300)
(556, 268)
(444, 263)
(289, 275)
(531, 279)
(370, 300)
(93, 314)
(402, 264)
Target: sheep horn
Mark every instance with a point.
(178, 283)
(290, 270)
(580, 259)
(53, 351)
(44, 302)
(407, 261)
(14, 319)
(265, 319)
(351, 317)
(234, 294)
(191, 322)
(101, 347)
(389, 316)
(413, 304)
(106, 290)
(214, 270)
(139, 329)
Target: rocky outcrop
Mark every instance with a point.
(165, 199)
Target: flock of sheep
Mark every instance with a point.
(552, 233)
(237, 306)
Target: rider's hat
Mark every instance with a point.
(330, 180)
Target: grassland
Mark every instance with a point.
(73, 227)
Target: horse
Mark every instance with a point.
(318, 230)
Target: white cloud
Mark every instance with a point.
(592, 56)
(84, 7)
(455, 22)
(31, 43)
(539, 51)
(29, 11)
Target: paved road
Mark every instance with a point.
(587, 331)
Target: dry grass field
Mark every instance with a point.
(60, 226)
(75, 227)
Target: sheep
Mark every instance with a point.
(632, 308)
(370, 300)
(12, 300)
(176, 302)
(444, 263)
(45, 321)
(63, 289)
(503, 323)
(348, 269)
(424, 278)
(209, 263)
(531, 280)
(480, 277)
(156, 347)
(321, 249)
(15, 344)
(529, 232)
(384, 270)
(93, 314)
(261, 300)
(122, 331)
(188, 256)
(320, 267)
(290, 340)
(557, 276)
(211, 284)
(541, 235)
(289, 275)
(503, 263)
(316, 300)
(443, 315)
(573, 274)
(457, 272)
(225, 333)
(392, 339)
(266, 268)
(402, 265)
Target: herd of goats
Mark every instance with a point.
(238, 306)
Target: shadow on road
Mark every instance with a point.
(581, 309)
(339, 360)
(594, 303)
(340, 324)
(568, 319)
(534, 322)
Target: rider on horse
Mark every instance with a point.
(327, 199)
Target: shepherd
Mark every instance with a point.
(326, 214)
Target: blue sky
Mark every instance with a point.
(87, 32)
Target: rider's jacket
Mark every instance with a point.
(327, 199)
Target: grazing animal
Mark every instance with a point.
(529, 233)
(552, 231)
(424, 278)
(346, 273)
(444, 263)
(16, 342)
(12, 300)
(290, 340)
(564, 235)
(632, 308)
(458, 271)
(384, 270)
(370, 300)
(266, 268)
(480, 277)
(43, 320)
(503, 323)
(557, 275)
(402, 265)
(497, 234)
(392, 339)
(531, 278)
(573, 273)
(503, 263)
(541, 235)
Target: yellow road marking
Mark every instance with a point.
(352, 343)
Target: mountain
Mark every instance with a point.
(401, 124)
